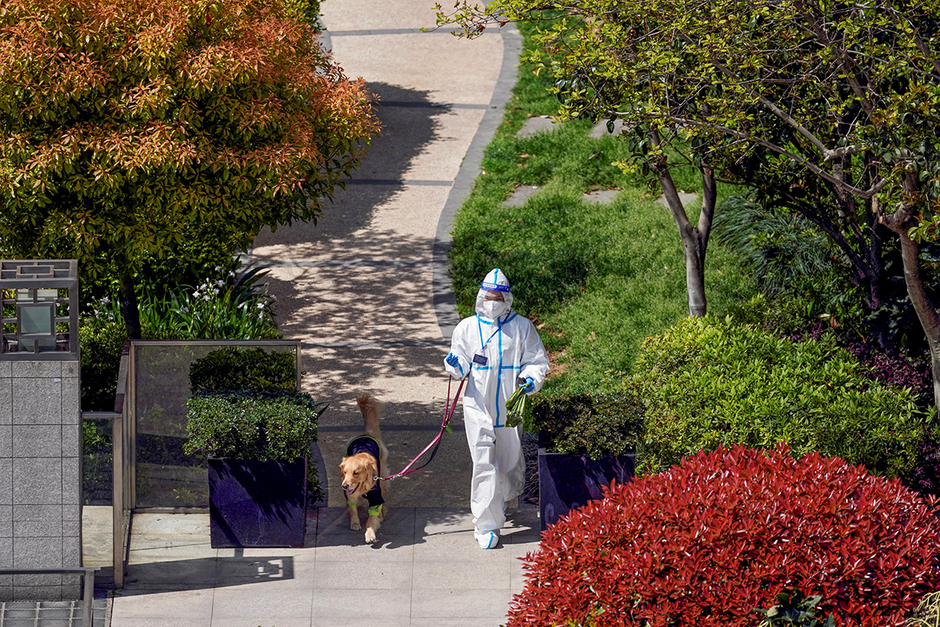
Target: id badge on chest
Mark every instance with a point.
(480, 360)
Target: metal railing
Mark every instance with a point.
(124, 434)
(118, 489)
(120, 502)
(88, 577)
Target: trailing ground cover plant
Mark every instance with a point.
(709, 541)
(708, 382)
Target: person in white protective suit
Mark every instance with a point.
(497, 350)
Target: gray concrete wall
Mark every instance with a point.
(40, 477)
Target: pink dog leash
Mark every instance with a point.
(436, 442)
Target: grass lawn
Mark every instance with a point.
(596, 278)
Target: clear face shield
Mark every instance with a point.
(494, 304)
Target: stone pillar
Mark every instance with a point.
(40, 449)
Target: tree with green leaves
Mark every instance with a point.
(827, 108)
(657, 149)
(140, 129)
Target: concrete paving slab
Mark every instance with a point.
(395, 539)
(535, 125)
(165, 608)
(371, 304)
(417, 142)
(263, 600)
(332, 606)
(159, 621)
(262, 569)
(431, 521)
(601, 196)
(260, 621)
(456, 622)
(435, 64)
(683, 196)
(378, 575)
(383, 551)
(521, 195)
(176, 574)
(488, 571)
(361, 15)
(468, 602)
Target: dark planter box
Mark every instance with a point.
(567, 481)
(254, 503)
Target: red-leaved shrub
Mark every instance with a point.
(706, 542)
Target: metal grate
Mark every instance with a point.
(49, 613)
(34, 612)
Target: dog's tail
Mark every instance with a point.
(371, 410)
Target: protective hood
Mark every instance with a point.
(495, 281)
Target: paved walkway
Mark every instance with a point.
(367, 291)
(425, 570)
(367, 287)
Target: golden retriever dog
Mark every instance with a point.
(365, 461)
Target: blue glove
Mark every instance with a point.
(528, 386)
(452, 360)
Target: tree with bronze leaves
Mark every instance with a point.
(138, 129)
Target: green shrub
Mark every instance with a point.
(100, 344)
(234, 368)
(586, 424)
(708, 382)
(264, 426)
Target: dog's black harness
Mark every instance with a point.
(368, 444)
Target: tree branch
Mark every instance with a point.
(803, 161)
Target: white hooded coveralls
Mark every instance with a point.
(511, 349)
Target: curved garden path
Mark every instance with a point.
(367, 289)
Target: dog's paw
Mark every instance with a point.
(354, 525)
(370, 536)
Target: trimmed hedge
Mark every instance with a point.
(584, 424)
(710, 541)
(263, 426)
(100, 345)
(708, 382)
(234, 368)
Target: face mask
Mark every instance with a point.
(494, 308)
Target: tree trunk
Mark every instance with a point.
(129, 309)
(694, 238)
(926, 312)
